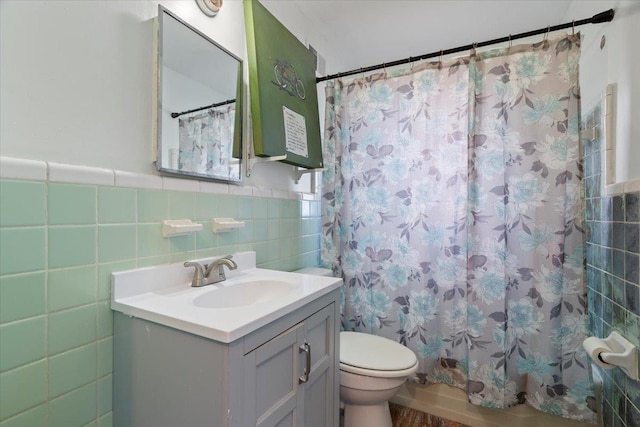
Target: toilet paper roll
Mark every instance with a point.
(594, 346)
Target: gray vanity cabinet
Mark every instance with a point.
(167, 377)
(289, 379)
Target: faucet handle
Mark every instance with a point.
(198, 275)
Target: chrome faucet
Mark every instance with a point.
(211, 273)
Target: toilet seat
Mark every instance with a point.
(370, 355)
(379, 374)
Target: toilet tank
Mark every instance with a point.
(315, 271)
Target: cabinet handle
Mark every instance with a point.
(306, 348)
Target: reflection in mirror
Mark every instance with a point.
(199, 114)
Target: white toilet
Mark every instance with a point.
(372, 369)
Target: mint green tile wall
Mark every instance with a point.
(59, 244)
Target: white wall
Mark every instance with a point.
(76, 77)
(76, 80)
(619, 63)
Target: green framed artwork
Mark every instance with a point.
(282, 86)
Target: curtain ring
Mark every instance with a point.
(573, 28)
(410, 63)
(546, 35)
(510, 41)
(384, 67)
(441, 53)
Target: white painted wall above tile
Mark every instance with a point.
(76, 80)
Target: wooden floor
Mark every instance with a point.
(407, 417)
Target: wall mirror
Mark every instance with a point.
(198, 123)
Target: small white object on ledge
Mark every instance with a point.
(179, 227)
(219, 225)
(615, 350)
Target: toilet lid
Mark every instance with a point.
(375, 353)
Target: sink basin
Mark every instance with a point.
(241, 294)
(247, 300)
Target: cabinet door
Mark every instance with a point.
(290, 381)
(319, 394)
(271, 387)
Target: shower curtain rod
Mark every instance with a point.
(206, 107)
(601, 17)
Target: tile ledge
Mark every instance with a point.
(632, 186)
(624, 187)
(614, 189)
(138, 180)
(72, 174)
(13, 168)
(37, 170)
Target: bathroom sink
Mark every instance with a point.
(247, 300)
(232, 295)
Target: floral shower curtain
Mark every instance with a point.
(452, 208)
(206, 141)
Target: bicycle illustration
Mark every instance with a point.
(287, 78)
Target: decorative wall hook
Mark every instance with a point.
(209, 7)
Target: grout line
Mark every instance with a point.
(14, 416)
(46, 297)
(97, 316)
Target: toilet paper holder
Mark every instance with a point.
(615, 350)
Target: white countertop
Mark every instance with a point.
(163, 294)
